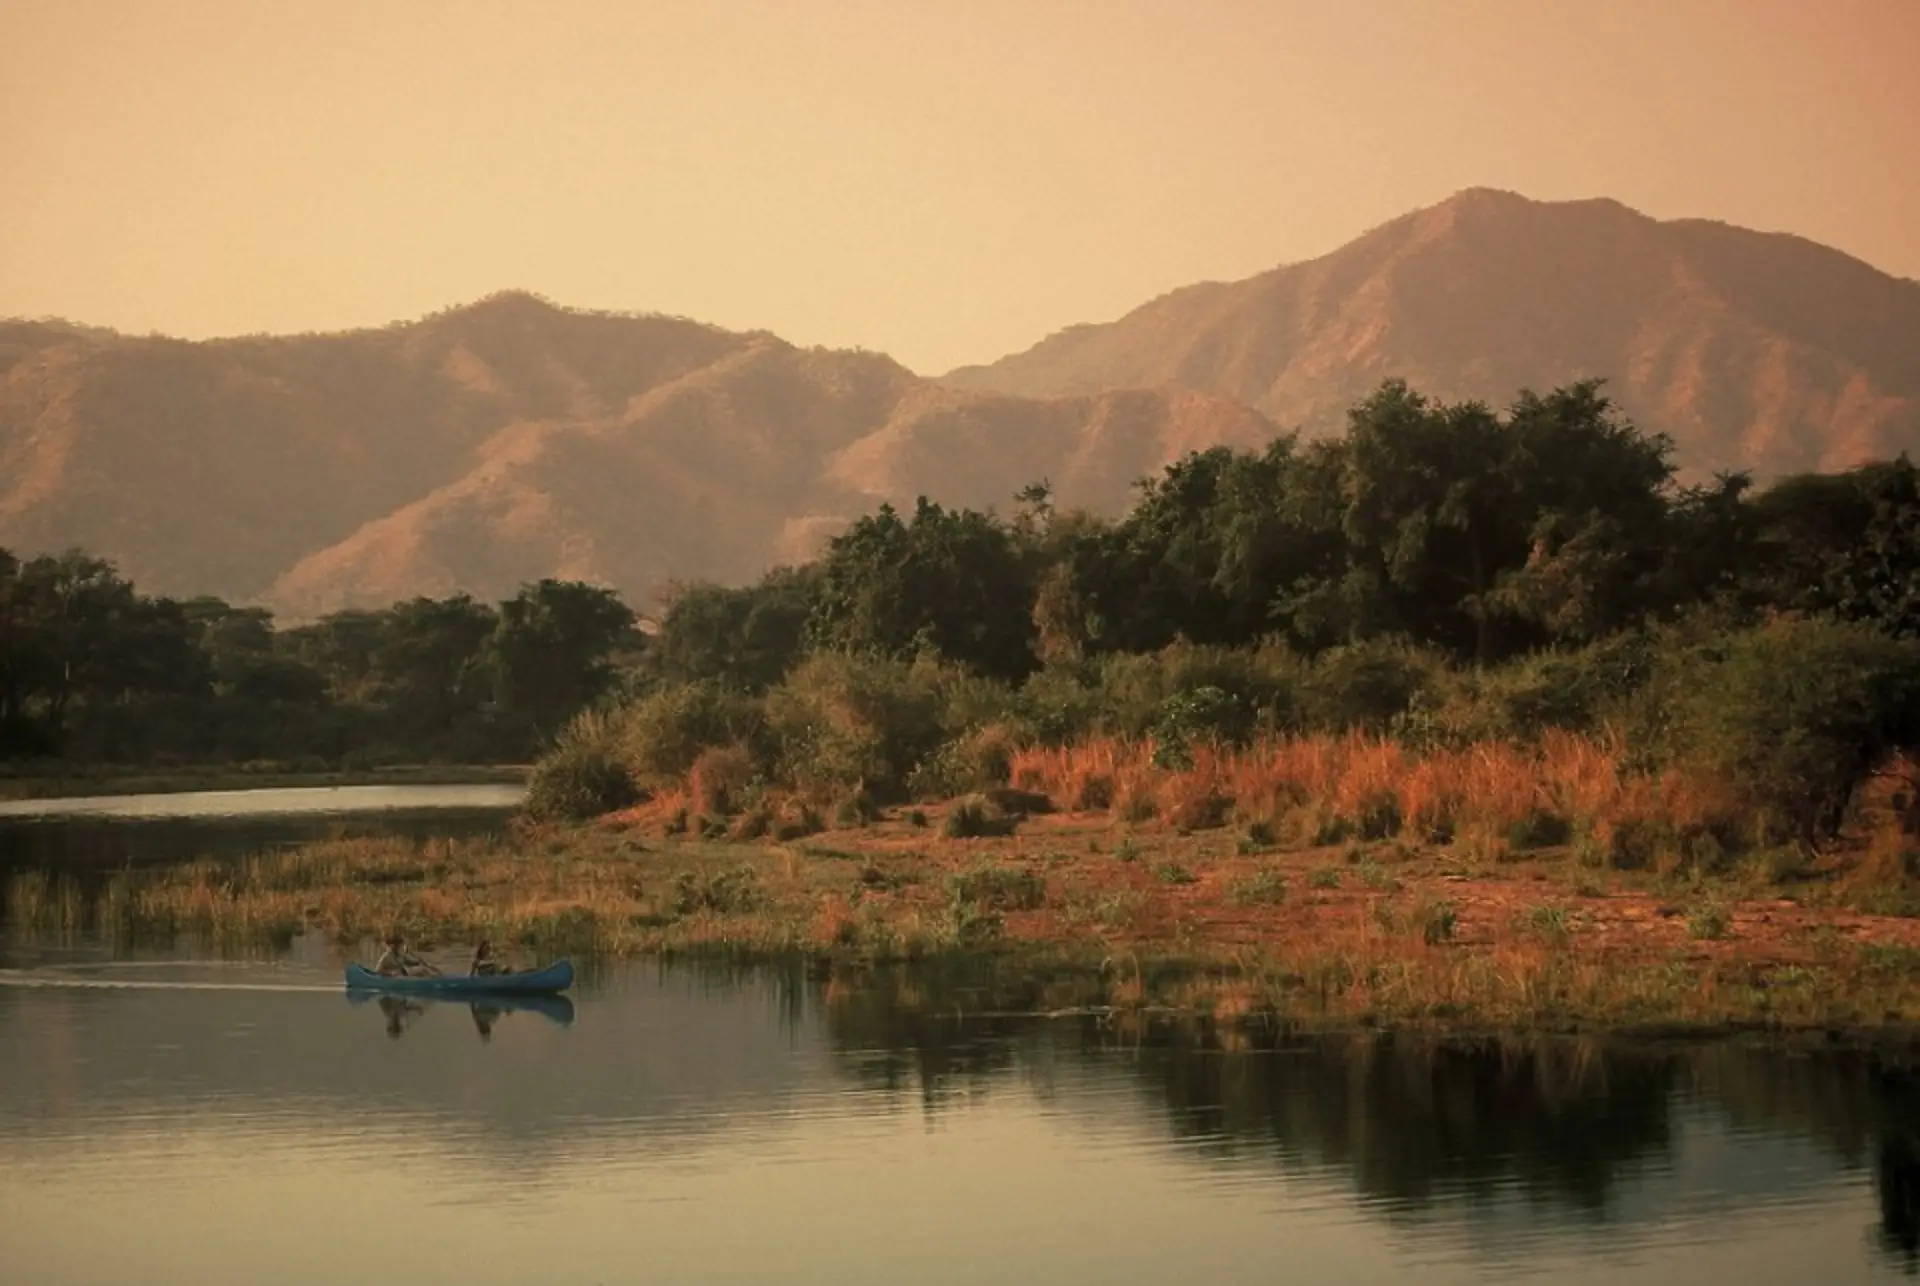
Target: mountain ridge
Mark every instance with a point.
(512, 438)
(1759, 351)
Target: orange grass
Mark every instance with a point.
(1482, 788)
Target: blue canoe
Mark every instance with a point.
(553, 979)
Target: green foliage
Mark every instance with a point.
(1262, 888)
(1709, 920)
(1444, 573)
(745, 638)
(1367, 686)
(662, 735)
(582, 778)
(1434, 921)
(999, 888)
(956, 583)
(553, 649)
(977, 816)
(1793, 715)
(841, 721)
(730, 892)
(1538, 829)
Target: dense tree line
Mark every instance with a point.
(1531, 553)
(1480, 535)
(1440, 573)
(91, 670)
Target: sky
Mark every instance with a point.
(946, 182)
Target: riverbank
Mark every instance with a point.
(1079, 911)
(43, 782)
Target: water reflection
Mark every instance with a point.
(97, 845)
(875, 1135)
(400, 1011)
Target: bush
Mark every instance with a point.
(976, 760)
(1186, 693)
(977, 816)
(1793, 716)
(1367, 686)
(661, 736)
(1263, 888)
(1576, 691)
(578, 781)
(1000, 888)
(720, 780)
(1538, 829)
(842, 722)
(725, 892)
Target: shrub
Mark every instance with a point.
(1367, 686)
(980, 759)
(1263, 888)
(1000, 888)
(1435, 921)
(578, 781)
(1709, 920)
(726, 892)
(1538, 829)
(1793, 716)
(719, 780)
(1379, 816)
(1197, 803)
(842, 721)
(856, 808)
(977, 816)
(661, 736)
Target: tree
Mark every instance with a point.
(746, 638)
(956, 581)
(552, 652)
(429, 676)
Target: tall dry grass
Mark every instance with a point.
(1374, 784)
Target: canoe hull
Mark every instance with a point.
(552, 980)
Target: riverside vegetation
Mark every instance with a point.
(1463, 718)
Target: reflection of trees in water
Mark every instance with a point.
(1896, 1165)
(898, 1029)
(1864, 1106)
(1413, 1122)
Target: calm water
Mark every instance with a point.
(105, 832)
(170, 1118)
(180, 1121)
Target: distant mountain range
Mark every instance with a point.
(1755, 351)
(512, 439)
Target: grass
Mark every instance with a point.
(1407, 933)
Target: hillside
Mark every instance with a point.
(1754, 351)
(510, 440)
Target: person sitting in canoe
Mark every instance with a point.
(398, 960)
(485, 965)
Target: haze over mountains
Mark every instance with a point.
(511, 439)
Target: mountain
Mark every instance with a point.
(512, 439)
(1753, 350)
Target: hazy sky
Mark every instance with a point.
(944, 180)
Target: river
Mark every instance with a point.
(167, 1116)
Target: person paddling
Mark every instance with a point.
(484, 964)
(399, 961)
